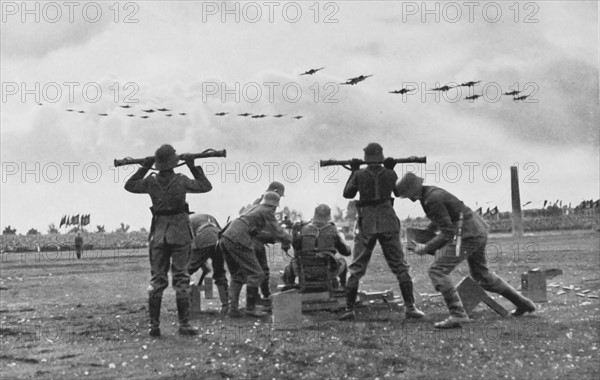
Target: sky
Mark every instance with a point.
(200, 58)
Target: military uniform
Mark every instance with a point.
(444, 210)
(170, 233)
(206, 236)
(237, 243)
(377, 221)
(319, 237)
(260, 248)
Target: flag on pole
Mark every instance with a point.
(494, 211)
(85, 219)
(62, 221)
(75, 220)
(478, 211)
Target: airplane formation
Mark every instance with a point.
(147, 113)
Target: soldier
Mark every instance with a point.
(237, 243)
(170, 234)
(377, 221)
(206, 230)
(78, 245)
(320, 236)
(444, 209)
(261, 252)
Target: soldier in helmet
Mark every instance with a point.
(319, 237)
(206, 231)
(170, 233)
(444, 209)
(237, 243)
(377, 221)
(261, 252)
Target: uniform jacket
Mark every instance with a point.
(256, 219)
(320, 237)
(167, 191)
(375, 207)
(205, 229)
(443, 209)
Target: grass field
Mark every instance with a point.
(68, 318)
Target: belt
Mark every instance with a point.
(375, 202)
(176, 211)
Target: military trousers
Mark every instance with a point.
(176, 257)
(472, 250)
(201, 255)
(392, 252)
(242, 263)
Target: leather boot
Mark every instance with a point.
(343, 276)
(349, 313)
(264, 288)
(251, 299)
(406, 288)
(523, 304)
(458, 315)
(224, 297)
(234, 296)
(154, 311)
(183, 311)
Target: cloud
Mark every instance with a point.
(33, 39)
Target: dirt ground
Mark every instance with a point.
(67, 318)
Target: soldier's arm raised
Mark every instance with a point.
(136, 183)
(200, 184)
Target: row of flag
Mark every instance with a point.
(75, 220)
(489, 212)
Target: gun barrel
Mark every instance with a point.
(128, 161)
(139, 161)
(210, 153)
(412, 159)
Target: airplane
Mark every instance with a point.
(39, 104)
(246, 114)
(130, 115)
(149, 111)
(259, 116)
(403, 91)
(144, 117)
(513, 93)
(183, 113)
(126, 106)
(311, 71)
(469, 84)
(81, 111)
(103, 114)
(472, 97)
(70, 110)
(443, 88)
(162, 109)
(520, 98)
(355, 80)
(298, 117)
(169, 115)
(221, 113)
(279, 115)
